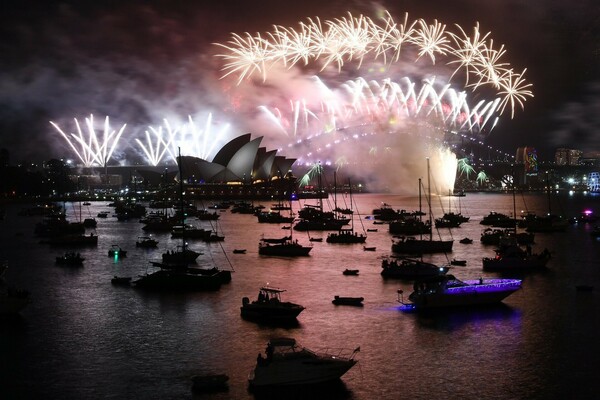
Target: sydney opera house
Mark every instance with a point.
(241, 168)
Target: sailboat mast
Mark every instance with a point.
(335, 191)
(514, 202)
(181, 200)
(429, 200)
(320, 189)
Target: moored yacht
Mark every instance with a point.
(511, 258)
(410, 268)
(288, 363)
(285, 248)
(269, 307)
(448, 291)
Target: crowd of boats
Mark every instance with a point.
(285, 361)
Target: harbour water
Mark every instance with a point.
(84, 338)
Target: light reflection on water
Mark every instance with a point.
(85, 338)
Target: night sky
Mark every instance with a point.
(142, 61)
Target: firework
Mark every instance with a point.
(156, 146)
(358, 100)
(352, 39)
(464, 167)
(88, 147)
(166, 140)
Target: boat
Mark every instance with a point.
(12, 299)
(452, 216)
(372, 230)
(315, 239)
(181, 255)
(289, 248)
(458, 262)
(350, 271)
(273, 217)
(369, 248)
(90, 222)
(276, 240)
(116, 251)
(448, 291)
(181, 278)
(347, 301)
(409, 226)
(412, 245)
(547, 223)
(466, 240)
(174, 274)
(239, 251)
(411, 268)
(210, 383)
(286, 246)
(345, 235)
(288, 363)
(497, 219)
(70, 258)
(512, 257)
(205, 215)
(74, 240)
(121, 280)
(314, 218)
(497, 236)
(146, 242)
(189, 232)
(269, 307)
(102, 214)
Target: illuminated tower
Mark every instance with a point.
(594, 182)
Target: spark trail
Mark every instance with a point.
(353, 39)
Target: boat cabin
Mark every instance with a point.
(268, 294)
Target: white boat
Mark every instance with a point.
(448, 291)
(288, 363)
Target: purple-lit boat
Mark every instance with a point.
(448, 291)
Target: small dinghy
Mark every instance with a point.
(347, 301)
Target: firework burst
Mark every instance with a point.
(89, 147)
(353, 39)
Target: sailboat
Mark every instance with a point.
(313, 218)
(510, 256)
(283, 247)
(182, 255)
(346, 236)
(412, 245)
(174, 272)
(547, 223)
(452, 217)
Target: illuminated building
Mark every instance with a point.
(564, 156)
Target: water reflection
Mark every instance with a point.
(455, 319)
(335, 390)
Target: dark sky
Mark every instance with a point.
(128, 59)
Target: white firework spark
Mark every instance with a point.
(90, 149)
(350, 38)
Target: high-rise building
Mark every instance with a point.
(564, 156)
